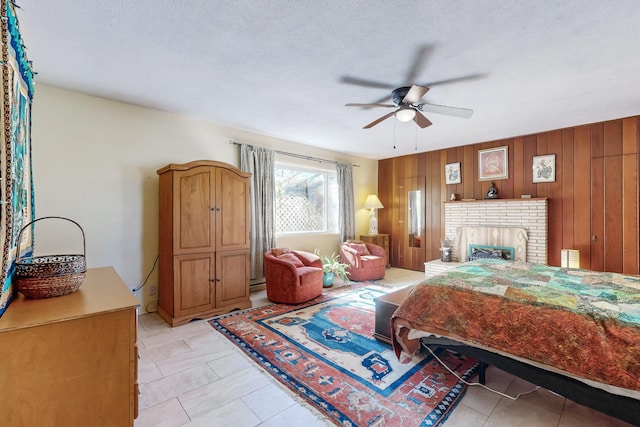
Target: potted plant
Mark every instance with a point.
(331, 266)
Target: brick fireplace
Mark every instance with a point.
(528, 214)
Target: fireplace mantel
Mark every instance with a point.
(530, 199)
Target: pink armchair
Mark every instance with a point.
(366, 260)
(292, 277)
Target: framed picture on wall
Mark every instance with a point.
(452, 173)
(544, 168)
(493, 163)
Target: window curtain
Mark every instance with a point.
(259, 162)
(347, 216)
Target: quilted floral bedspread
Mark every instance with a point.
(583, 322)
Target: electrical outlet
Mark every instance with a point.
(152, 290)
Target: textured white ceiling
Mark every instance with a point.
(276, 67)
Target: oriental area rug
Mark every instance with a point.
(324, 351)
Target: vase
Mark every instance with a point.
(327, 279)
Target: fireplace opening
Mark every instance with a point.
(490, 252)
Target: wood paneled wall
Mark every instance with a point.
(593, 204)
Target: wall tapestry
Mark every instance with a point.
(16, 179)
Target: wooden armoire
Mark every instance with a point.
(204, 240)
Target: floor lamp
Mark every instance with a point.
(372, 203)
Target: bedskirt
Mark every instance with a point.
(580, 322)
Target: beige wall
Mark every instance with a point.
(95, 161)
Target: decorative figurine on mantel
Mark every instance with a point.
(492, 193)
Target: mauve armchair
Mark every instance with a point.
(292, 277)
(367, 261)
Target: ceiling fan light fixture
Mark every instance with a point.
(405, 114)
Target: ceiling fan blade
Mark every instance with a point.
(384, 98)
(418, 63)
(464, 113)
(378, 120)
(421, 120)
(355, 104)
(415, 93)
(455, 79)
(367, 83)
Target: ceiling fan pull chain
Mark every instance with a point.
(394, 134)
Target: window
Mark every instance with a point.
(306, 200)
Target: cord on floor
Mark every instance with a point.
(478, 384)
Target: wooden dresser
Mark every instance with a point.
(71, 360)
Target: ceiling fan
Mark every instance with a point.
(408, 107)
(406, 98)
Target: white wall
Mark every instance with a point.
(95, 161)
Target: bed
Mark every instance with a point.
(573, 331)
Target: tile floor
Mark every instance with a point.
(192, 376)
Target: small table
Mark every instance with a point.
(386, 305)
(381, 240)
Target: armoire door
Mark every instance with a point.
(194, 284)
(194, 203)
(232, 211)
(232, 277)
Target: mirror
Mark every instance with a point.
(414, 220)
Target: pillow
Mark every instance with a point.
(291, 258)
(307, 258)
(361, 248)
(279, 251)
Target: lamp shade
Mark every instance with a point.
(570, 258)
(405, 114)
(373, 202)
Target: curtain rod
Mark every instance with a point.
(299, 156)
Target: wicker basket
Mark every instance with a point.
(50, 275)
